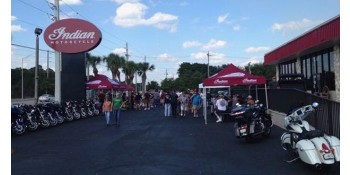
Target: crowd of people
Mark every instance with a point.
(175, 104)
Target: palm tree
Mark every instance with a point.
(93, 61)
(130, 68)
(114, 62)
(143, 68)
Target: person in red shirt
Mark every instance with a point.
(147, 100)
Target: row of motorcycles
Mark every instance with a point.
(32, 117)
(311, 146)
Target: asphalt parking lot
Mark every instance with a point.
(148, 143)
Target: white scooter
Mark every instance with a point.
(311, 146)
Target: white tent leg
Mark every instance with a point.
(267, 102)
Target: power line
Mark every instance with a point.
(33, 6)
(27, 47)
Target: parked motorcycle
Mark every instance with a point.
(17, 121)
(311, 146)
(251, 120)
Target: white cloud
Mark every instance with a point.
(165, 57)
(119, 51)
(214, 58)
(257, 49)
(133, 14)
(222, 19)
(293, 25)
(236, 28)
(17, 28)
(214, 44)
(252, 60)
(188, 44)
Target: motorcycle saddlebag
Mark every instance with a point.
(307, 152)
(335, 144)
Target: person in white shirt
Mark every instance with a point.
(221, 106)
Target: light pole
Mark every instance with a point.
(37, 32)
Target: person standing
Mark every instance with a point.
(196, 100)
(117, 103)
(107, 109)
(174, 101)
(167, 105)
(183, 104)
(250, 100)
(147, 98)
(273, 84)
(138, 99)
(221, 106)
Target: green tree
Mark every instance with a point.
(153, 85)
(261, 69)
(130, 68)
(143, 68)
(93, 61)
(114, 62)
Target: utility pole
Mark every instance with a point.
(126, 63)
(208, 63)
(166, 74)
(47, 69)
(57, 60)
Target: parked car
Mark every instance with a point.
(46, 98)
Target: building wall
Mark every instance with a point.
(336, 95)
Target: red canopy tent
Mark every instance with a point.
(232, 76)
(103, 82)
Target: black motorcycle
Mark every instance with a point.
(17, 121)
(251, 120)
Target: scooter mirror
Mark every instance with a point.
(314, 104)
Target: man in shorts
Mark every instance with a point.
(196, 100)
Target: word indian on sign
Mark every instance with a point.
(220, 81)
(249, 81)
(72, 36)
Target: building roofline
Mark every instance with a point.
(305, 33)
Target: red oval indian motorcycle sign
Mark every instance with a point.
(72, 36)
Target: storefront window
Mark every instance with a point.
(325, 62)
(318, 69)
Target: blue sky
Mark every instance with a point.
(167, 33)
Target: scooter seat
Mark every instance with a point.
(311, 134)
